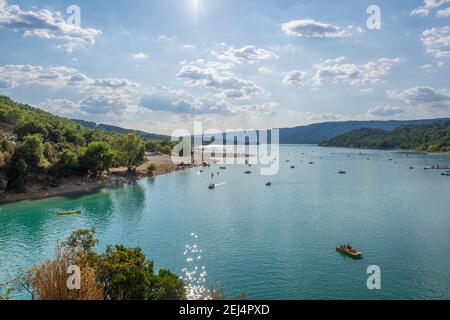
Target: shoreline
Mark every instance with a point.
(74, 186)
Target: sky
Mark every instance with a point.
(158, 66)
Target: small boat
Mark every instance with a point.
(342, 172)
(248, 172)
(310, 162)
(292, 167)
(411, 168)
(68, 213)
(212, 186)
(223, 168)
(349, 252)
(268, 184)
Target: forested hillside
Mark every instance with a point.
(317, 133)
(433, 137)
(115, 129)
(36, 145)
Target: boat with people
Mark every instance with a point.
(342, 172)
(248, 172)
(349, 251)
(269, 184)
(212, 186)
(68, 213)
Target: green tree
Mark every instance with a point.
(31, 150)
(168, 286)
(81, 244)
(125, 274)
(131, 151)
(97, 157)
(29, 127)
(67, 163)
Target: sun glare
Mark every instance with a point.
(195, 5)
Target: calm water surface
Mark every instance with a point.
(272, 243)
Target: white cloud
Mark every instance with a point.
(46, 24)
(106, 96)
(189, 46)
(265, 70)
(427, 67)
(164, 99)
(165, 38)
(58, 77)
(62, 107)
(309, 28)
(138, 56)
(424, 97)
(294, 77)
(428, 6)
(257, 109)
(96, 105)
(385, 111)
(210, 76)
(443, 13)
(366, 90)
(337, 71)
(249, 54)
(437, 41)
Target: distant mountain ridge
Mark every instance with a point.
(122, 131)
(318, 133)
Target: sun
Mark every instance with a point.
(195, 5)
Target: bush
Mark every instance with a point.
(151, 168)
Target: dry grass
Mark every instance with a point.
(50, 280)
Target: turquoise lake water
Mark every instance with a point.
(271, 243)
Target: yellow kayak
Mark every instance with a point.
(352, 253)
(67, 213)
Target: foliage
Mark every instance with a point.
(97, 157)
(119, 273)
(125, 274)
(151, 168)
(164, 147)
(66, 164)
(432, 137)
(50, 280)
(36, 143)
(121, 131)
(81, 244)
(31, 150)
(5, 294)
(131, 151)
(167, 286)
